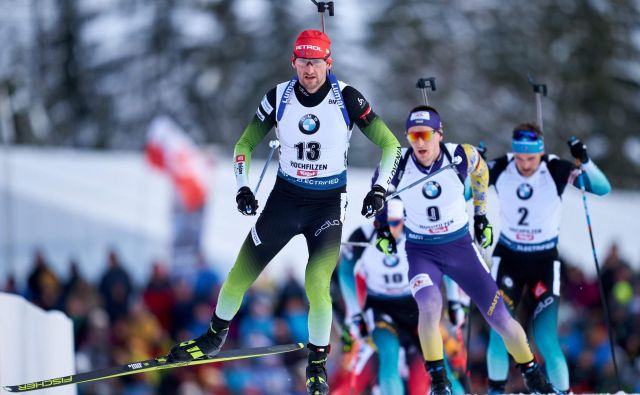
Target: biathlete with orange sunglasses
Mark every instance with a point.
(438, 242)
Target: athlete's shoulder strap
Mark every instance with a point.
(285, 97)
(336, 88)
(497, 166)
(402, 164)
(560, 170)
(445, 150)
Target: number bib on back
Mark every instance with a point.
(313, 140)
(436, 209)
(530, 209)
(386, 275)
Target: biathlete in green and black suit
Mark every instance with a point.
(313, 114)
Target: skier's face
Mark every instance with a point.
(527, 164)
(425, 143)
(312, 73)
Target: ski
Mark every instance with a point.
(150, 365)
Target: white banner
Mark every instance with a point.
(34, 345)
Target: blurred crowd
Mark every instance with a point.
(117, 321)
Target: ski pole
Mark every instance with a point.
(603, 296)
(356, 243)
(539, 90)
(273, 144)
(454, 162)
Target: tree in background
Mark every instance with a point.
(481, 54)
(93, 74)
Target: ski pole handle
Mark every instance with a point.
(273, 144)
(454, 162)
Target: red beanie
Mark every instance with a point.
(312, 44)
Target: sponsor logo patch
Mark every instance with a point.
(539, 289)
(44, 383)
(265, 105)
(391, 260)
(435, 231)
(494, 303)
(326, 225)
(309, 124)
(525, 191)
(507, 281)
(420, 115)
(254, 236)
(506, 299)
(240, 158)
(418, 282)
(308, 46)
(307, 173)
(524, 236)
(431, 190)
(542, 305)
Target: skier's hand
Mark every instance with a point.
(247, 203)
(457, 315)
(385, 242)
(359, 326)
(578, 150)
(483, 230)
(374, 201)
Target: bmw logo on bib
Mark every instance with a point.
(431, 190)
(309, 124)
(525, 191)
(391, 261)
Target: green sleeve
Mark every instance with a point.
(378, 132)
(252, 135)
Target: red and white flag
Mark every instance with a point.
(171, 150)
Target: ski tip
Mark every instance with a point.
(300, 345)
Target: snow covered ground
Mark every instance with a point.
(78, 203)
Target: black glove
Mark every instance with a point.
(385, 242)
(374, 201)
(247, 203)
(456, 314)
(359, 325)
(578, 150)
(483, 230)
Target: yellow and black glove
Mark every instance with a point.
(483, 230)
(385, 242)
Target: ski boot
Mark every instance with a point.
(440, 384)
(317, 383)
(204, 346)
(535, 381)
(496, 387)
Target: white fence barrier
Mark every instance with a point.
(34, 345)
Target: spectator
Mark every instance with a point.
(44, 287)
(115, 288)
(158, 296)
